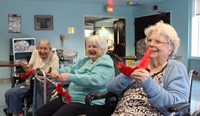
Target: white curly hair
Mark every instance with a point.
(99, 41)
(166, 30)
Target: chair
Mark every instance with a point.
(115, 59)
(30, 98)
(184, 106)
(112, 99)
(140, 48)
(27, 99)
(196, 113)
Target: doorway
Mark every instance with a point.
(119, 38)
(143, 22)
(111, 29)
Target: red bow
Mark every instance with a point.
(63, 92)
(127, 70)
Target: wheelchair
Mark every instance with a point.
(27, 98)
(38, 94)
(112, 100)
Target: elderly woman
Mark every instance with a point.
(42, 58)
(165, 83)
(90, 74)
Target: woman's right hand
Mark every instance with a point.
(54, 74)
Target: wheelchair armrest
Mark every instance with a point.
(111, 99)
(196, 113)
(94, 96)
(179, 107)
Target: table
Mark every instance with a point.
(9, 64)
(129, 58)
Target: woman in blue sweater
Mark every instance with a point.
(165, 83)
(90, 74)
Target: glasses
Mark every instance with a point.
(155, 42)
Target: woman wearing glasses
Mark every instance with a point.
(165, 83)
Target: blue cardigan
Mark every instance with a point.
(87, 76)
(174, 87)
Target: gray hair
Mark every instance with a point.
(166, 30)
(44, 41)
(99, 41)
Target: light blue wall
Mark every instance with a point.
(71, 15)
(65, 15)
(194, 63)
(179, 20)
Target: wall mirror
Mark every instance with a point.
(111, 29)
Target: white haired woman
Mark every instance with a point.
(42, 58)
(165, 83)
(90, 74)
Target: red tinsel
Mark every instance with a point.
(27, 75)
(127, 70)
(63, 92)
(59, 88)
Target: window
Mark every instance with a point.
(195, 37)
(195, 43)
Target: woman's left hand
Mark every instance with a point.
(63, 76)
(140, 75)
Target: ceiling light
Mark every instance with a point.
(129, 3)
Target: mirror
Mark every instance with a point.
(107, 28)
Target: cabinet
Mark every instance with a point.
(66, 57)
(21, 50)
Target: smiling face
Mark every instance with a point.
(94, 51)
(44, 49)
(96, 47)
(159, 45)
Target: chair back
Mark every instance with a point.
(115, 61)
(192, 74)
(184, 108)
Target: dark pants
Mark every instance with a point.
(58, 108)
(99, 110)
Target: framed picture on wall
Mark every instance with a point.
(14, 23)
(43, 22)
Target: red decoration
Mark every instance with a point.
(63, 92)
(59, 88)
(127, 70)
(27, 75)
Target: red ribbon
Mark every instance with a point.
(27, 75)
(59, 88)
(127, 70)
(63, 92)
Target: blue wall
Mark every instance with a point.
(72, 15)
(65, 15)
(179, 20)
